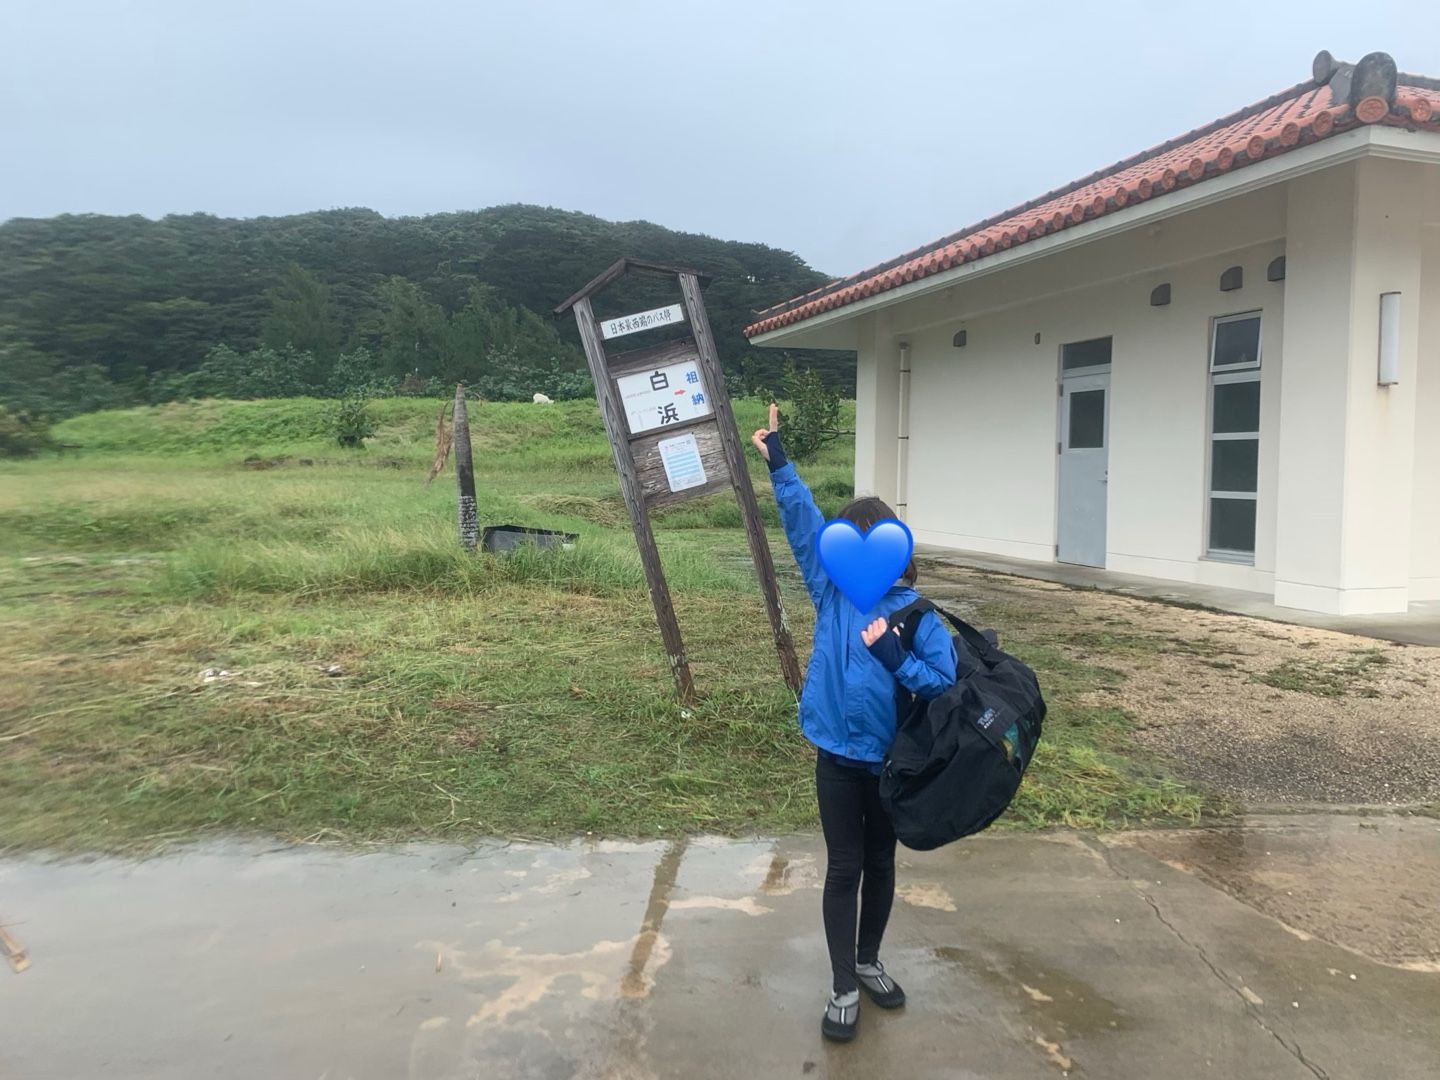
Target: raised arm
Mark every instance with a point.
(799, 515)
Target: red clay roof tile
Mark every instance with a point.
(1372, 110)
(1299, 116)
(1420, 108)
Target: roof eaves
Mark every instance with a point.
(1296, 121)
(1049, 196)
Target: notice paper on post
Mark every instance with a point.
(681, 458)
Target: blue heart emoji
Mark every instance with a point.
(863, 566)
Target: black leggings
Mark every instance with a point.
(859, 842)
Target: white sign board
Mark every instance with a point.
(681, 457)
(664, 396)
(644, 320)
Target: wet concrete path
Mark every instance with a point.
(1294, 946)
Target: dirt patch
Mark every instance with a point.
(1265, 712)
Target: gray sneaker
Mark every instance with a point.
(883, 990)
(842, 1014)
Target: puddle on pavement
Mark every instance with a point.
(1365, 884)
(633, 985)
(785, 874)
(777, 874)
(728, 868)
(454, 959)
(1052, 1001)
(609, 962)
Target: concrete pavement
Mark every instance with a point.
(1304, 946)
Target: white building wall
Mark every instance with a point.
(877, 407)
(1320, 241)
(1347, 444)
(1380, 424)
(984, 418)
(982, 439)
(1425, 500)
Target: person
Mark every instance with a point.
(848, 711)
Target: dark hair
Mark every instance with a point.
(865, 512)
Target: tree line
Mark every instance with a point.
(100, 312)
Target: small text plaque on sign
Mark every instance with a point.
(666, 395)
(681, 457)
(644, 320)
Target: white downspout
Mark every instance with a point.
(902, 457)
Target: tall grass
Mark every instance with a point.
(385, 683)
(360, 560)
(405, 425)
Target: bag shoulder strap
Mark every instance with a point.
(907, 619)
(981, 645)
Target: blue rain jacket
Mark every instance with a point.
(847, 706)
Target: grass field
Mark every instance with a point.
(382, 684)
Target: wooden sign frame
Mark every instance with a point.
(644, 477)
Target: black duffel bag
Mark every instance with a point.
(957, 761)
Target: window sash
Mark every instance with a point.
(1228, 554)
(1071, 349)
(1226, 375)
(1221, 320)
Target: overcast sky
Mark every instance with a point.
(847, 132)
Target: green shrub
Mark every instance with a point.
(36, 383)
(813, 416)
(353, 422)
(355, 374)
(23, 435)
(260, 373)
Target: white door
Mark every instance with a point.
(1084, 467)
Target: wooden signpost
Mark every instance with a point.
(465, 472)
(674, 437)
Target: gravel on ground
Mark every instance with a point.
(1265, 712)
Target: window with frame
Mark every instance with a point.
(1234, 443)
(1078, 355)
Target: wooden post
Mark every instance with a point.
(465, 472)
(740, 478)
(630, 488)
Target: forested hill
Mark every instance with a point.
(130, 308)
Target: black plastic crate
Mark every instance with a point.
(501, 538)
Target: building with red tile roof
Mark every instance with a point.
(1212, 361)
